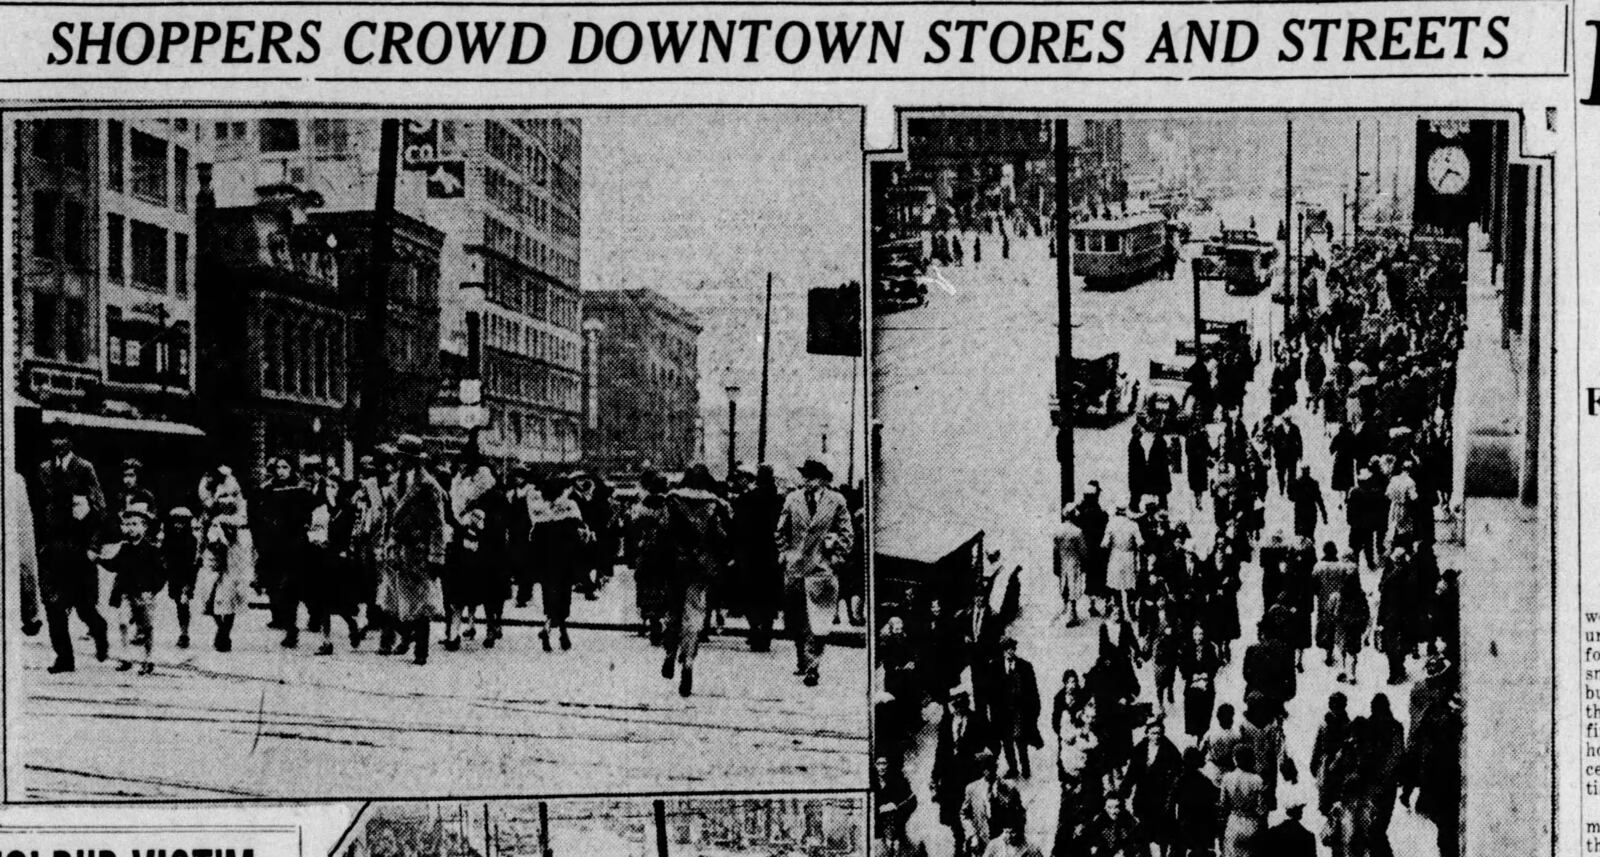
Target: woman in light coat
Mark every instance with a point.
(1244, 799)
(1122, 543)
(227, 553)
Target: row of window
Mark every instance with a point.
(278, 136)
(1112, 242)
(144, 351)
(516, 288)
(150, 259)
(526, 381)
(557, 134)
(527, 159)
(516, 337)
(514, 198)
(303, 357)
(62, 142)
(60, 228)
(60, 327)
(143, 159)
(530, 251)
(549, 438)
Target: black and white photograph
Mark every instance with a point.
(427, 453)
(1208, 507)
(746, 825)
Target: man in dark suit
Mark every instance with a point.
(962, 737)
(1016, 708)
(71, 511)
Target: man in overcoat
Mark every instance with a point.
(417, 533)
(814, 535)
(1016, 710)
(70, 511)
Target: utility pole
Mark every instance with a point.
(1355, 209)
(544, 829)
(766, 361)
(488, 843)
(373, 414)
(1064, 367)
(1288, 227)
(661, 828)
(850, 471)
(1344, 216)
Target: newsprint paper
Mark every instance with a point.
(633, 429)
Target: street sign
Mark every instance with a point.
(419, 145)
(447, 180)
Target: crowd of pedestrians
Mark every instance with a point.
(412, 539)
(1149, 758)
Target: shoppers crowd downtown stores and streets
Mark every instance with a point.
(1301, 500)
(414, 539)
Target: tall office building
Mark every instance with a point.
(514, 228)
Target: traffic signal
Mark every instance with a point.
(833, 320)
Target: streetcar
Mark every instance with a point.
(1118, 252)
(1240, 258)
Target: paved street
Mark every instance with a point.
(262, 722)
(974, 367)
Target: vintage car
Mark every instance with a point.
(1102, 394)
(1167, 407)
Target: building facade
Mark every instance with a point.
(646, 381)
(275, 334)
(514, 229)
(105, 297)
(410, 372)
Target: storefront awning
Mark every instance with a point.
(152, 426)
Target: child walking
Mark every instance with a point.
(140, 573)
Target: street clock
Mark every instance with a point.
(1454, 167)
(1449, 169)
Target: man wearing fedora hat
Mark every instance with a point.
(70, 508)
(414, 543)
(814, 535)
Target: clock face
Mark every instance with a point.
(1448, 170)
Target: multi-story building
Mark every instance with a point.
(104, 295)
(409, 375)
(275, 333)
(514, 229)
(646, 380)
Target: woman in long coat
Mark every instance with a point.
(1137, 468)
(560, 540)
(227, 553)
(1198, 451)
(1243, 799)
(416, 534)
(1122, 543)
(650, 554)
(1158, 469)
(699, 525)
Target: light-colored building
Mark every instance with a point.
(514, 229)
(646, 381)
